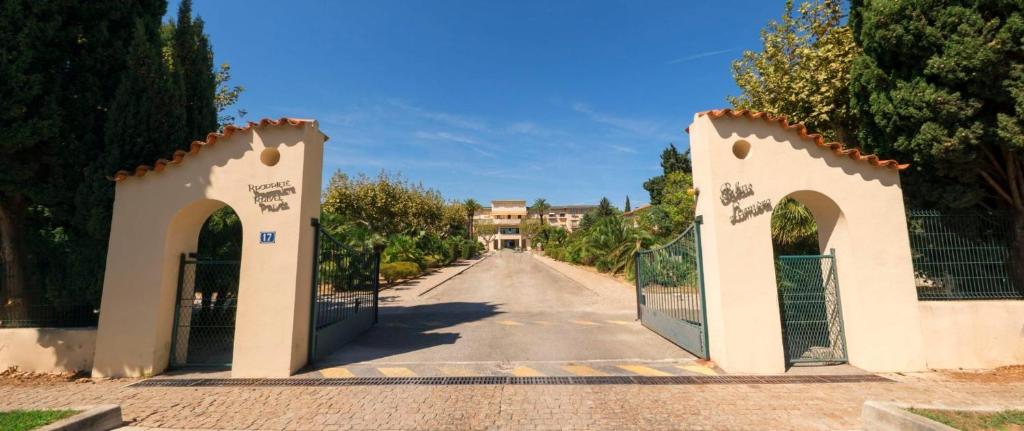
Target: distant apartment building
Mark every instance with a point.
(507, 215)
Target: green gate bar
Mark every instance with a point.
(810, 309)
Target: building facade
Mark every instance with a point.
(507, 216)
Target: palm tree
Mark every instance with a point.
(794, 230)
(471, 206)
(541, 207)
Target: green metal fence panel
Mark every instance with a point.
(670, 291)
(962, 255)
(811, 312)
(204, 318)
(346, 285)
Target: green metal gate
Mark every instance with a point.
(670, 291)
(204, 313)
(346, 285)
(812, 317)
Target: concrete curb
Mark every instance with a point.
(880, 415)
(460, 271)
(96, 418)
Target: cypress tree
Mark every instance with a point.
(627, 208)
(193, 61)
(29, 118)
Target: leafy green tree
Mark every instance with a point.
(803, 70)
(541, 207)
(387, 205)
(671, 161)
(605, 208)
(486, 231)
(221, 236)
(227, 96)
(678, 202)
(529, 229)
(941, 85)
(627, 207)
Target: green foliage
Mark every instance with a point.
(627, 207)
(803, 70)
(25, 420)
(388, 204)
(941, 85)
(77, 78)
(541, 207)
(610, 245)
(678, 201)
(221, 236)
(794, 231)
(193, 65)
(605, 208)
(671, 161)
(394, 271)
(402, 248)
(471, 206)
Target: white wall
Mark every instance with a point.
(47, 350)
(972, 334)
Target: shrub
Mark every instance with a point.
(395, 271)
(470, 249)
(433, 261)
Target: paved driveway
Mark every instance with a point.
(510, 314)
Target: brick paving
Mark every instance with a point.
(611, 407)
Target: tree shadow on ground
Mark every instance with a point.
(407, 329)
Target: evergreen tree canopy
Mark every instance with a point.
(671, 161)
(941, 85)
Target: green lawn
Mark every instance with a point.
(24, 420)
(1005, 420)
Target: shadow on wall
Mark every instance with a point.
(738, 128)
(408, 329)
(47, 350)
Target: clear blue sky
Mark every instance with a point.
(565, 100)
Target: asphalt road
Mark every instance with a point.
(508, 310)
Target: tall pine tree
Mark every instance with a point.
(193, 62)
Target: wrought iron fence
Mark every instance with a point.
(962, 255)
(812, 318)
(346, 281)
(204, 319)
(668, 278)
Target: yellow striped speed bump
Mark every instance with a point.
(583, 370)
(337, 373)
(644, 370)
(396, 372)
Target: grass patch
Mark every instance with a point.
(24, 420)
(1007, 420)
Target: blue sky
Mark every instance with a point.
(565, 100)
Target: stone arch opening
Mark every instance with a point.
(857, 205)
(806, 227)
(207, 287)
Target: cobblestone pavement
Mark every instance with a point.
(612, 407)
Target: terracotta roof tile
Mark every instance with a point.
(819, 140)
(160, 164)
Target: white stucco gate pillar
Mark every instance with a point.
(269, 173)
(744, 163)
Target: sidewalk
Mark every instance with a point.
(602, 284)
(513, 407)
(409, 291)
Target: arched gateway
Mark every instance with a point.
(269, 173)
(744, 164)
